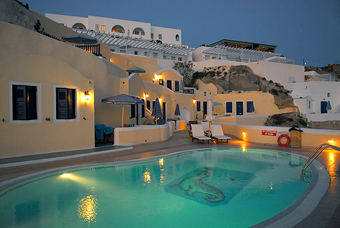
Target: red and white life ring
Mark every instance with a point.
(283, 144)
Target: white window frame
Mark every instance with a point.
(39, 118)
(55, 104)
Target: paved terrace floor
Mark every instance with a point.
(327, 213)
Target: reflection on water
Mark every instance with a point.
(147, 177)
(88, 208)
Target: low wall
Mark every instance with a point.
(309, 137)
(142, 134)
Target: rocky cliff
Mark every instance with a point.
(17, 13)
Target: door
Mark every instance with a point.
(205, 109)
(239, 107)
(323, 106)
(164, 111)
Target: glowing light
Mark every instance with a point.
(194, 100)
(331, 141)
(161, 162)
(66, 175)
(271, 185)
(87, 95)
(243, 133)
(147, 177)
(88, 208)
(146, 95)
(160, 100)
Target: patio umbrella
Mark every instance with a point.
(210, 116)
(80, 38)
(215, 104)
(135, 69)
(177, 112)
(157, 111)
(122, 99)
(329, 106)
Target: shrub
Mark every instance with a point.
(274, 92)
(290, 119)
(264, 79)
(303, 122)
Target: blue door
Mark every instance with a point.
(323, 106)
(239, 107)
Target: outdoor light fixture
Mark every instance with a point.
(147, 95)
(331, 141)
(87, 95)
(160, 100)
(194, 100)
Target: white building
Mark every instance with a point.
(134, 29)
(317, 100)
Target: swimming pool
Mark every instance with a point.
(201, 188)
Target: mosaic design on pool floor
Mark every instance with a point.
(210, 186)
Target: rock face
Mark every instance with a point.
(286, 120)
(15, 12)
(242, 78)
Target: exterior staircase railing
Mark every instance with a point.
(316, 153)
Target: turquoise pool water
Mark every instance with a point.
(204, 188)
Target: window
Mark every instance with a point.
(328, 94)
(169, 84)
(214, 57)
(148, 104)
(112, 50)
(250, 107)
(66, 103)
(152, 36)
(133, 111)
(122, 51)
(155, 55)
(205, 93)
(145, 53)
(176, 86)
(177, 37)
(136, 52)
(160, 36)
(103, 28)
(229, 107)
(164, 56)
(161, 82)
(198, 106)
(207, 57)
(173, 58)
(180, 59)
(97, 28)
(24, 102)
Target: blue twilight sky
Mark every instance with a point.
(302, 29)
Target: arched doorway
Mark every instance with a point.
(185, 114)
(79, 26)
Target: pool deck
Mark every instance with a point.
(327, 213)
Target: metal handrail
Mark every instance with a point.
(316, 153)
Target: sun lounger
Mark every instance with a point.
(198, 133)
(217, 133)
(190, 130)
(206, 130)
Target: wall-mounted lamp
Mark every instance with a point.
(87, 95)
(331, 141)
(194, 100)
(160, 100)
(146, 95)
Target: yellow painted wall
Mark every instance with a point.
(142, 134)
(19, 139)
